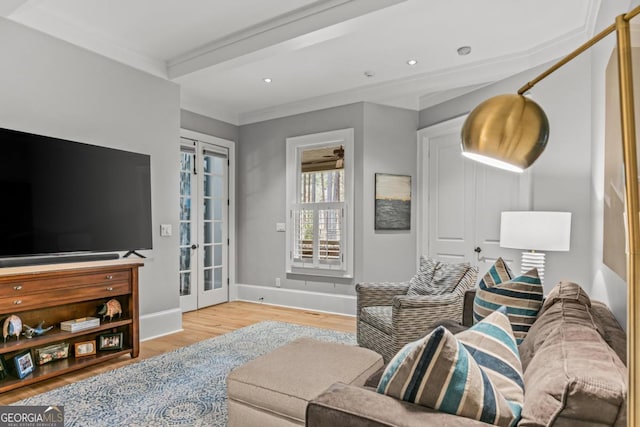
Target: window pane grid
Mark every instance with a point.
(329, 236)
(324, 248)
(303, 231)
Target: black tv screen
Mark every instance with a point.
(61, 196)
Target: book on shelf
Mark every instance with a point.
(80, 324)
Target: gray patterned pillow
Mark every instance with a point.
(435, 277)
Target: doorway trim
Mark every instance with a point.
(231, 147)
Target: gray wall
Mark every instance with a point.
(53, 88)
(385, 141)
(390, 146)
(207, 125)
(562, 175)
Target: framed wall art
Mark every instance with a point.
(392, 202)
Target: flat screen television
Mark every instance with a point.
(61, 197)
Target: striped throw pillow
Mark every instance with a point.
(436, 277)
(521, 295)
(477, 376)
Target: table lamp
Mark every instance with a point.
(535, 231)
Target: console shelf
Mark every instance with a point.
(55, 293)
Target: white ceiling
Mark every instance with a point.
(316, 51)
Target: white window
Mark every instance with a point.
(320, 204)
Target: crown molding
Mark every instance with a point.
(69, 31)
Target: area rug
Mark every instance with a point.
(185, 387)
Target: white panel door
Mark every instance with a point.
(462, 201)
(450, 198)
(496, 190)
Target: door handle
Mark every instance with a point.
(194, 246)
(478, 249)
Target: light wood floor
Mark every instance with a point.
(198, 325)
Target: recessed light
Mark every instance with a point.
(412, 62)
(464, 50)
(369, 73)
(267, 80)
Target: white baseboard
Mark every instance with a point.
(317, 301)
(159, 324)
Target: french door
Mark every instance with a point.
(204, 225)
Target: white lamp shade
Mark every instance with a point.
(536, 230)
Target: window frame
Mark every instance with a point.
(294, 148)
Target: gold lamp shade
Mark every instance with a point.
(507, 131)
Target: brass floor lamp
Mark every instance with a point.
(511, 131)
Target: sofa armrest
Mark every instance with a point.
(349, 406)
(415, 316)
(379, 293)
(426, 301)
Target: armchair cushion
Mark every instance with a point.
(378, 316)
(435, 277)
(522, 296)
(477, 375)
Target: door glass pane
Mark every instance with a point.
(217, 186)
(185, 208)
(217, 279)
(185, 283)
(185, 183)
(186, 161)
(208, 164)
(218, 165)
(185, 234)
(208, 256)
(208, 209)
(185, 259)
(208, 232)
(208, 280)
(217, 255)
(217, 232)
(217, 209)
(207, 186)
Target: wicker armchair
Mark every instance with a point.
(388, 318)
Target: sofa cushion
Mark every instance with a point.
(441, 372)
(574, 310)
(566, 290)
(521, 295)
(435, 277)
(575, 378)
(572, 376)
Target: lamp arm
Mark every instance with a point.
(629, 151)
(595, 39)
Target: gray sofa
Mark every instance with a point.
(574, 361)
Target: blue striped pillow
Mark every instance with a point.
(521, 295)
(477, 375)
